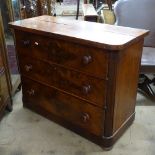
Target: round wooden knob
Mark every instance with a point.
(85, 117)
(36, 43)
(86, 59)
(26, 42)
(86, 89)
(28, 67)
(31, 92)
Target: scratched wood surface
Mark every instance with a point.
(100, 35)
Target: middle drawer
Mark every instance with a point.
(75, 83)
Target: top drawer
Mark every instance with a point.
(86, 59)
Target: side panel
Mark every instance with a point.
(126, 84)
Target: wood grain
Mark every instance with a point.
(81, 75)
(70, 55)
(67, 107)
(88, 33)
(76, 84)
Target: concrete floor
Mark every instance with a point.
(23, 132)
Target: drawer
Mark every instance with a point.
(66, 107)
(81, 85)
(83, 58)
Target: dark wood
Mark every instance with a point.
(76, 111)
(128, 84)
(5, 85)
(105, 142)
(63, 79)
(122, 86)
(92, 34)
(77, 80)
(89, 13)
(74, 56)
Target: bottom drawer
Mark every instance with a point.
(69, 108)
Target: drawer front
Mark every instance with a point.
(64, 106)
(71, 81)
(86, 59)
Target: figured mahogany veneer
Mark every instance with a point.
(78, 84)
(81, 113)
(75, 56)
(81, 75)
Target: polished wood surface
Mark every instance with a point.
(74, 56)
(76, 111)
(123, 86)
(82, 32)
(125, 83)
(63, 79)
(83, 84)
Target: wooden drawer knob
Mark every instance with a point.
(85, 117)
(86, 89)
(86, 59)
(28, 67)
(36, 43)
(31, 92)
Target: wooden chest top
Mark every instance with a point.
(99, 35)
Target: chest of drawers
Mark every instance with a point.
(81, 75)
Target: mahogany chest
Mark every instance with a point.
(79, 74)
